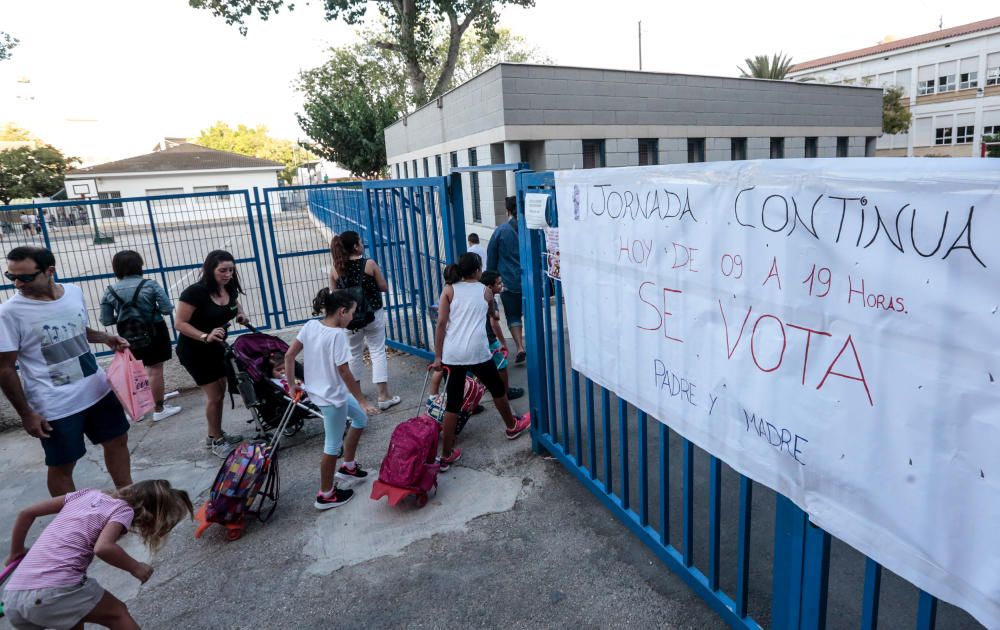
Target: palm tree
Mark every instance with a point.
(763, 67)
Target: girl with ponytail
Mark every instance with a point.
(351, 269)
(461, 346)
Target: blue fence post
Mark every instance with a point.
(270, 310)
(534, 332)
(789, 559)
(454, 219)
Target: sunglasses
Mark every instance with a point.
(23, 277)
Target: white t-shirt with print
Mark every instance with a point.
(59, 372)
(323, 349)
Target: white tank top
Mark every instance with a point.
(465, 341)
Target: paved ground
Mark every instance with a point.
(510, 541)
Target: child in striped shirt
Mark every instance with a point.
(50, 587)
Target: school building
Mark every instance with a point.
(556, 117)
(950, 79)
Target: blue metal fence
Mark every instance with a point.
(749, 553)
(172, 233)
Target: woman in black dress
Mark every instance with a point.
(203, 314)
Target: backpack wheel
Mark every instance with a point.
(234, 533)
(422, 499)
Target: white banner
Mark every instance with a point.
(828, 327)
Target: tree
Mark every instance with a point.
(12, 132)
(993, 151)
(763, 67)
(350, 100)
(27, 172)
(255, 142)
(896, 116)
(410, 32)
(7, 43)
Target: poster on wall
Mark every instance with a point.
(828, 328)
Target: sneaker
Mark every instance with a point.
(521, 424)
(521, 356)
(514, 393)
(388, 403)
(221, 446)
(166, 413)
(336, 498)
(446, 462)
(348, 475)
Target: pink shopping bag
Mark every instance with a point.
(128, 379)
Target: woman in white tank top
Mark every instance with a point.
(461, 346)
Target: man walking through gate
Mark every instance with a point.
(504, 256)
(65, 394)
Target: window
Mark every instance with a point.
(648, 151)
(946, 83)
(942, 135)
(437, 165)
(737, 148)
(593, 154)
(991, 130)
(427, 170)
(696, 149)
(993, 76)
(871, 144)
(964, 134)
(925, 87)
(416, 173)
(454, 159)
(812, 147)
(477, 209)
(113, 209)
(777, 148)
(222, 188)
(968, 80)
(406, 170)
(842, 145)
(397, 170)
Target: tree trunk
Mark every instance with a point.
(455, 34)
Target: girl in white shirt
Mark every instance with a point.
(461, 346)
(332, 387)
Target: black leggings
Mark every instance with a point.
(485, 372)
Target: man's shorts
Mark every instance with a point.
(512, 307)
(499, 358)
(54, 607)
(101, 422)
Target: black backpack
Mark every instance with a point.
(136, 329)
(363, 313)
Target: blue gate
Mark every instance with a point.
(411, 227)
(749, 553)
(172, 233)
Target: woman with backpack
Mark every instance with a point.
(204, 312)
(363, 278)
(332, 386)
(137, 306)
(461, 346)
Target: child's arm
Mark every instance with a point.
(494, 318)
(24, 521)
(444, 311)
(355, 389)
(293, 351)
(107, 549)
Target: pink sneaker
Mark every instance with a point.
(521, 424)
(446, 462)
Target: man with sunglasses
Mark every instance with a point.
(62, 394)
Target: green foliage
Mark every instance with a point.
(255, 142)
(410, 33)
(7, 43)
(993, 151)
(763, 67)
(27, 172)
(347, 103)
(350, 100)
(896, 116)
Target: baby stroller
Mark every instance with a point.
(265, 399)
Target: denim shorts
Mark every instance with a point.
(101, 422)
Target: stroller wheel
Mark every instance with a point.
(292, 428)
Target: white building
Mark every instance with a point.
(180, 169)
(951, 78)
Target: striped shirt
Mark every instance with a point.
(65, 549)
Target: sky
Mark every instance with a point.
(107, 79)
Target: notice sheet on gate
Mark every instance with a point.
(827, 327)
